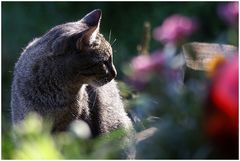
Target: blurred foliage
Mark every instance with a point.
(33, 140)
(179, 107)
(177, 113)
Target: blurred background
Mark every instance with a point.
(23, 21)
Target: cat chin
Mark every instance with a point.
(100, 83)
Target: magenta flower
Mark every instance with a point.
(229, 13)
(174, 29)
(143, 66)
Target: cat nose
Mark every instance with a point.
(111, 71)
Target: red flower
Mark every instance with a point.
(224, 92)
(221, 117)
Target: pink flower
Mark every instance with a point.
(229, 13)
(174, 29)
(143, 66)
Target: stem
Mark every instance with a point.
(143, 49)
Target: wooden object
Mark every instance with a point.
(198, 55)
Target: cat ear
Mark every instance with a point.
(93, 18)
(92, 21)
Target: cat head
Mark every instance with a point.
(81, 52)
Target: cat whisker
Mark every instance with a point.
(109, 36)
(93, 92)
(113, 42)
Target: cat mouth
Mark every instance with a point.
(102, 81)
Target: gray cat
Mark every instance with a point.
(67, 74)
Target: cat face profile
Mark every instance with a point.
(78, 51)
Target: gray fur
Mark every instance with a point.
(61, 76)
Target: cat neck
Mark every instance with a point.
(82, 91)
